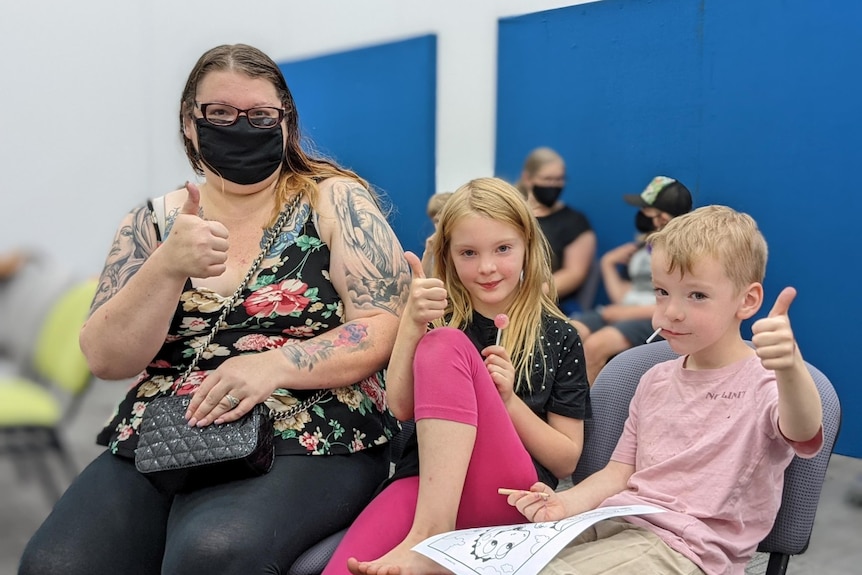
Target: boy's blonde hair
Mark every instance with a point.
(436, 203)
(721, 232)
(500, 201)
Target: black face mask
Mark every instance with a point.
(547, 195)
(643, 224)
(240, 152)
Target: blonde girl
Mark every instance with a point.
(487, 415)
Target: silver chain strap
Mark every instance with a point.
(272, 234)
(298, 408)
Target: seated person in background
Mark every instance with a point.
(12, 283)
(625, 322)
(435, 206)
(10, 263)
(709, 434)
(572, 240)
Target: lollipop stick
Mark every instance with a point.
(502, 322)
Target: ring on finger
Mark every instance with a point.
(232, 401)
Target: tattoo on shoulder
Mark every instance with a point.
(134, 242)
(172, 216)
(377, 273)
(306, 354)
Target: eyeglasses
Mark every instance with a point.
(263, 117)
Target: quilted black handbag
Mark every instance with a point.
(176, 457)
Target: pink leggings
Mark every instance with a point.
(450, 382)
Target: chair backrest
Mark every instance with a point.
(586, 294)
(58, 358)
(803, 481)
(610, 396)
(584, 298)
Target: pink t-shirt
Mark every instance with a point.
(710, 453)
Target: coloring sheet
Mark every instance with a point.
(515, 549)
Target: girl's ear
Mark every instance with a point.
(751, 298)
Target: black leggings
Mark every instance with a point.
(112, 520)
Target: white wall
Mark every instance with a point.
(90, 92)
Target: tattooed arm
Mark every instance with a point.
(141, 285)
(370, 273)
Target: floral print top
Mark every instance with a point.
(289, 297)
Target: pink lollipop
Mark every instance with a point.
(502, 322)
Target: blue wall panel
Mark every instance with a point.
(373, 110)
(750, 104)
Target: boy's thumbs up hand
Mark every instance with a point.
(782, 302)
(427, 300)
(773, 337)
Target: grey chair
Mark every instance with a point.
(584, 298)
(803, 479)
(586, 294)
(34, 410)
(25, 300)
(312, 561)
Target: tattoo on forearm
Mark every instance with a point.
(306, 354)
(377, 276)
(134, 242)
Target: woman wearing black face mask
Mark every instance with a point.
(572, 240)
(319, 280)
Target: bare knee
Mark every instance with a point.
(583, 331)
(605, 343)
(600, 347)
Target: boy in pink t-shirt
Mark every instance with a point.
(710, 434)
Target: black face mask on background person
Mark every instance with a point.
(240, 152)
(547, 195)
(643, 224)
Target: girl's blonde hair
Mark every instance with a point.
(496, 199)
(731, 237)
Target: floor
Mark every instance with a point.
(835, 549)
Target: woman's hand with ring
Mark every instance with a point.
(235, 387)
(232, 401)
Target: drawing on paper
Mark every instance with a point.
(514, 549)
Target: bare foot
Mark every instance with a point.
(399, 561)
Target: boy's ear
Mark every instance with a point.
(751, 298)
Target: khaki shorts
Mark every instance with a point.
(616, 547)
